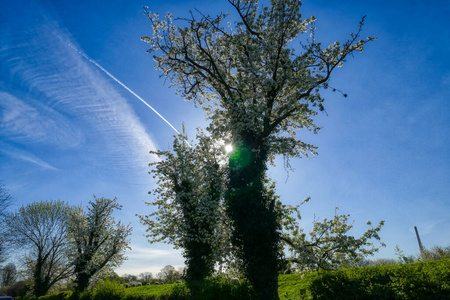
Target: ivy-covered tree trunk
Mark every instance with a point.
(255, 221)
(82, 278)
(40, 286)
(197, 252)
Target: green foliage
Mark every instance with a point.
(83, 295)
(108, 290)
(425, 280)
(26, 297)
(57, 296)
(295, 286)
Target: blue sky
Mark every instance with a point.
(68, 131)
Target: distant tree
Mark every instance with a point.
(435, 253)
(8, 275)
(113, 276)
(377, 262)
(5, 201)
(40, 228)
(18, 289)
(129, 277)
(169, 274)
(189, 200)
(145, 276)
(260, 91)
(328, 246)
(96, 240)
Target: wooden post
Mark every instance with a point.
(418, 239)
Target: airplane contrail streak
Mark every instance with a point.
(123, 85)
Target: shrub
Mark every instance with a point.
(57, 296)
(108, 290)
(84, 295)
(424, 280)
(26, 297)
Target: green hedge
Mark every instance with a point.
(424, 280)
(57, 296)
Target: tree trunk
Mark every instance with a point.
(40, 284)
(255, 221)
(82, 278)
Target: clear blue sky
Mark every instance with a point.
(68, 131)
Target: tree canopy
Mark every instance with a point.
(96, 240)
(258, 89)
(250, 76)
(40, 228)
(189, 200)
(328, 245)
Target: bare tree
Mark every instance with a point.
(5, 201)
(40, 228)
(8, 275)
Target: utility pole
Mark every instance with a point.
(418, 239)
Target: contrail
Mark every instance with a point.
(123, 85)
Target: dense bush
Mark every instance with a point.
(109, 290)
(424, 280)
(295, 286)
(27, 297)
(84, 295)
(57, 296)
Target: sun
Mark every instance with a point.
(228, 148)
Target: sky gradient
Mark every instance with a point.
(68, 130)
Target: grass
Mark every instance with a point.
(151, 292)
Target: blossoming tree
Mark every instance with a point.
(259, 90)
(189, 200)
(96, 240)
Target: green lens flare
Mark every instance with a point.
(241, 156)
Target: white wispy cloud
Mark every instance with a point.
(28, 157)
(31, 121)
(69, 103)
